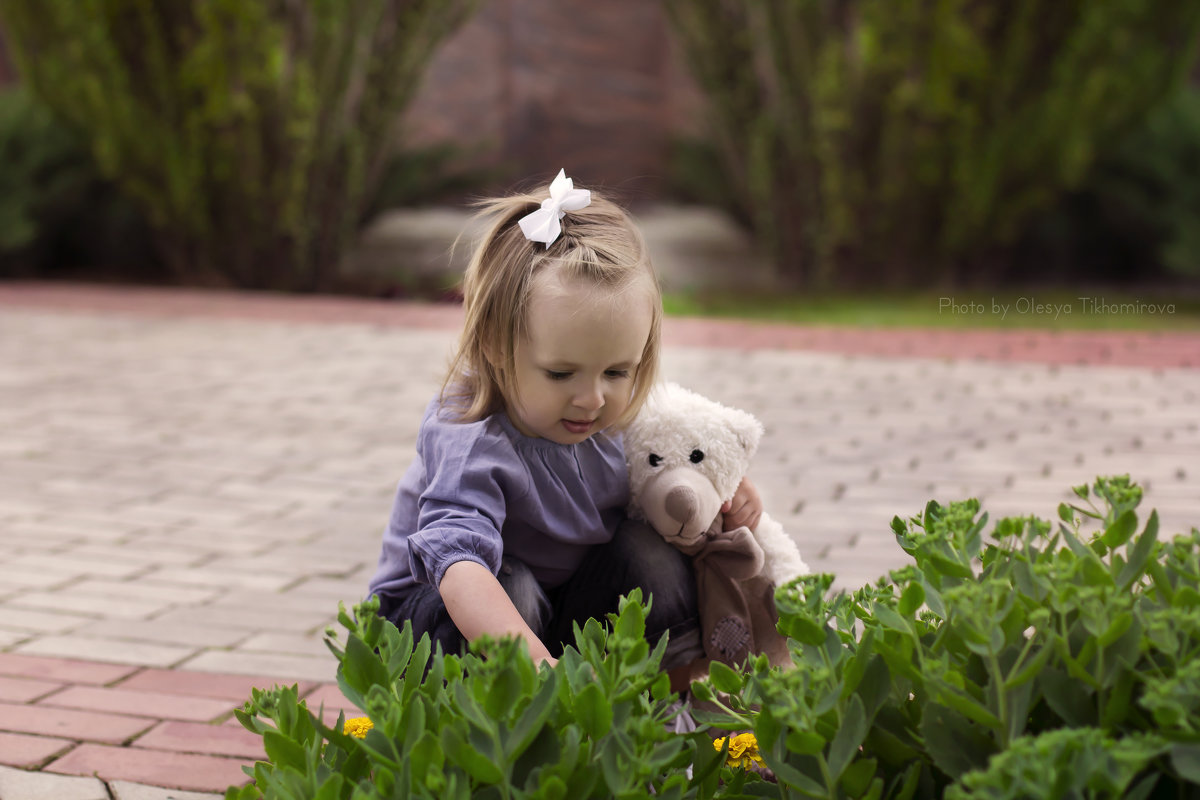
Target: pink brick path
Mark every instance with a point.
(174, 728)
(168, 728)
(1134, 349)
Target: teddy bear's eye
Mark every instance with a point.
(655, 459)
(697, 456)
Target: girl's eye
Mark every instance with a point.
(554, 375)
(655, 460)
(697, 456)
(617, 373)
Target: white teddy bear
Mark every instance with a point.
(686, 456)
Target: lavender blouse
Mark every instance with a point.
(480, 490)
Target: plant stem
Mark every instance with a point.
(827, 777)
(1001, 705)
(1021, 658)
(741, 720)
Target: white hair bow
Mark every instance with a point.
(542, 225)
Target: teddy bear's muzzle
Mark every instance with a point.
(681, 504)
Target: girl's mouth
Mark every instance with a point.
(578, 427)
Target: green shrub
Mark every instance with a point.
(488, 724)
(1043, 663)
(252, 135)
(30, 145)
(901, 141)
(57, 213)
(967, 669)
(59, 217)
(430, 175)
(1137, 213)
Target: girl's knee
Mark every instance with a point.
(526, 593)
(661, 571)
(651, 558)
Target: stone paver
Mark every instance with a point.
(17, 784)
(130, 791)
(67, 671)
(115, 651)
(202, 773)
(67, 723)
(23, 690)
(190, 482)
(138, 703)
(126, 790)
(288, 666)
(235, 688)
(192, 737)
(23, 750)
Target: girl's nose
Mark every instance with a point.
(590, 398)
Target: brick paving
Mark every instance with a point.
(172, 729)
(191, 481)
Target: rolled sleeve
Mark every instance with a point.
(462, 509)
(431, 552)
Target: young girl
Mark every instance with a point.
(511, 519)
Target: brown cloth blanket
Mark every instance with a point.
(737, 600)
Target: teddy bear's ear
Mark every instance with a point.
(749, 431)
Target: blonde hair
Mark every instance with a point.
(599, 244)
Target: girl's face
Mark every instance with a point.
(576, 364)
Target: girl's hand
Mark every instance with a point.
(745, 508)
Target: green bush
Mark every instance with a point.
(430, 175)
(966, 670)
(252, 135)
(1137, 214)
(899, 142)
(57, 214)
(1042, 663)
(60, 218)
(30, 145)
(488, 724)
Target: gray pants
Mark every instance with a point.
(636, 557)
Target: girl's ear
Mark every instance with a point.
(492, 352)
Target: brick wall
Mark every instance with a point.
(595, 87)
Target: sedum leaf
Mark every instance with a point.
(956, 745)
(849, 736)
(1121, 530)
(593, 711)
(474, 763)
(725, 678)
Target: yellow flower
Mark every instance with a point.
(743, 750)
(358, 727)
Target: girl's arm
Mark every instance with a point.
(478, 604)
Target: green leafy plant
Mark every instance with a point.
(1034, 660)
(1135, 216)
(900, 141)
(429, 175)
(30, 145)
(1045, 656)
(252, 135)
(57, 213)
(487, 724)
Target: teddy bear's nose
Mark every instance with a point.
(681, 503)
